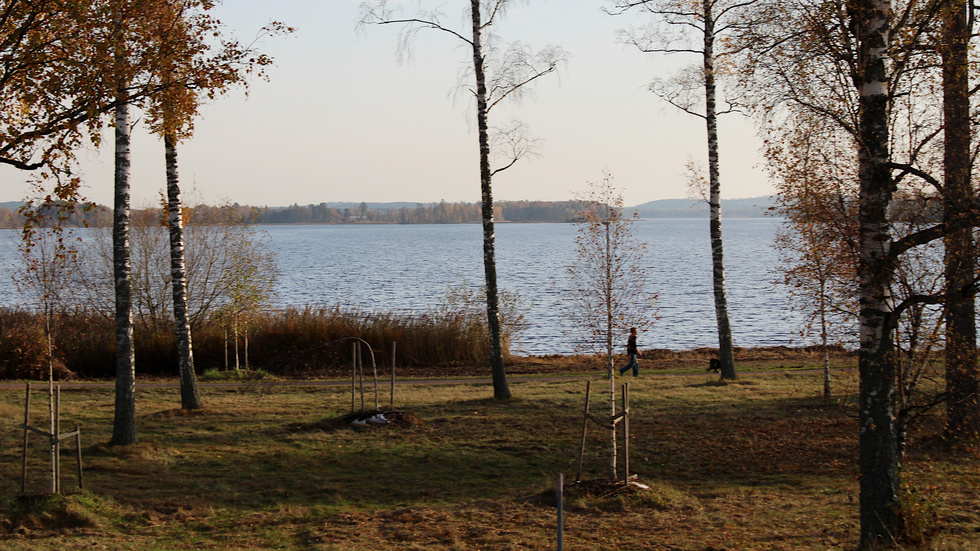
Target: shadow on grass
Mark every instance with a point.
(468, 449)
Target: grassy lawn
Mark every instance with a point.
(762, 463)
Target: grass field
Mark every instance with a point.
(762, 463)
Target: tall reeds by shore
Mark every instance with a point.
(314, 340)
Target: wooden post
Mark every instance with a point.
(27, 410)
(353, 376)
(391, 400)
(561, 522)
(235, 327)
(78, 453)
(360, 373)
(585, 425)
(56, 438)
(626, 433)
(374, 369)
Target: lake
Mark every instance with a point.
(410, 268)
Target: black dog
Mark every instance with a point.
(714, 365)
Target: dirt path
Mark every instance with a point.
(383, 381)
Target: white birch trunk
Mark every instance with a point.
(190, 397)
(501, 391)
(124, 422)
(878, 437)
(726, 352)
(609, 346)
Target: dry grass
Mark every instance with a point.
(758, 464)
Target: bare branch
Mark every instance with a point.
(510, 74)
(909, 169)
(512, 144)
(378, 13)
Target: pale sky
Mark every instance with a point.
(341, 119)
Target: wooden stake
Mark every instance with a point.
(374, 369)
(27, 410)
(360, 374)
(78, 453)
(56, 441)
(353, 375)
(585, 425)
(626, 432)
(391, 400)
(561, 522)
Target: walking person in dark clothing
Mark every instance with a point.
(633, 354)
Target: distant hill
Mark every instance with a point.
(753, 207)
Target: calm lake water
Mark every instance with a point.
(410, 268)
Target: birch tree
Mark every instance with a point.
(867, 74)
(879, 461)
(188, 68)
(139, 53)
(175, 100)
(496, 76)
(190, 398)
(47, 259)
(695, 91)
(607, 277)
(124, 420)
(959, 207)
(817, 253)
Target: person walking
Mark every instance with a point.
(633, 354)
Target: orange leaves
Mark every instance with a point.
(192, 56)
(63, 65)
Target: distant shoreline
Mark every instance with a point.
(94, 215)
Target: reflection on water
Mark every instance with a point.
(410, 268)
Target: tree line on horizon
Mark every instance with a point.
(323, 213)
(442, 212)
(95, 215)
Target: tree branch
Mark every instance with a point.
(909, 169)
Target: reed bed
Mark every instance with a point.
(292, 341)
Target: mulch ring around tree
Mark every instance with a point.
(362, 420)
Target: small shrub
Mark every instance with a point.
(216, 375)
(920, 513)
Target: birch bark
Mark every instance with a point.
(509, 74)
(878, 436)
(124, 422)
(725, 347)
(190, 397)
(709, 19)
(501, 390)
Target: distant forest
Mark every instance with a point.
(418, 213)
(339, 213)
(409, 213)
